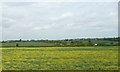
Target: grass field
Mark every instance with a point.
(60, 58)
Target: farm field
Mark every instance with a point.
(60, 58)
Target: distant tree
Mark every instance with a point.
(32, 40)
(3, 41)
(17, 45)
(89, 41)
(66, 40)
(72, 42)
(111, 43)
(20, 40)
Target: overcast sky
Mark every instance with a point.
(59, 20)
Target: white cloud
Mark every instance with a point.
(112, 13)
(59, 0)
(11, 20)
(7, 22)
(45, 27)
(60, 20)
(36, 28)
(68, 14)
(62, 16)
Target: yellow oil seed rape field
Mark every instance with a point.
(60, 58)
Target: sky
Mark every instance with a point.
(58, 20)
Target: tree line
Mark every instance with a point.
(74, 42)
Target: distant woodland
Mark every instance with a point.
(66, 42)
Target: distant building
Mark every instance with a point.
(95, 44)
